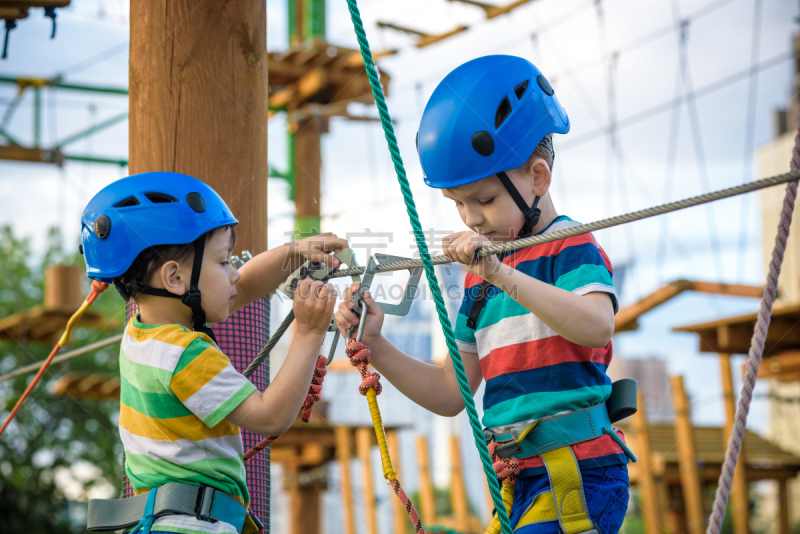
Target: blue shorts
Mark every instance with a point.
(606, 490)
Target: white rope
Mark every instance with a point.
(62, 357)
(591, 227)
(756, 350)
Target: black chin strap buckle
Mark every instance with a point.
(192, 299)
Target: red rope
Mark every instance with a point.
(313, 395)
(410, 510)
(507, 468)
(97, 288)
(359, 355)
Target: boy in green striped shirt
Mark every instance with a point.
(165, 240)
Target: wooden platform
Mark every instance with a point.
(764, 460)
(46, 325)
(319, 74)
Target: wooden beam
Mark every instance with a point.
(404, 29)
(651, 507)
(198, 97)
(780, 364)
(783, 507)
(364, 436)
(13, 13)
(740, 504)
(32, 155)
(458, 489)
(308, 176)
(630, 313)
(690, 478)
(431, 39)
(344, 447)
(427, 498)
(502, 10)
(399, 515)
(304, 503)
(734, 290)
(36, 3)
(625, 320)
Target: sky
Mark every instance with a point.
(620, 60)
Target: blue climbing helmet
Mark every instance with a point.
(145, 210)
(488, 116)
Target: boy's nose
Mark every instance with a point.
(473, 218)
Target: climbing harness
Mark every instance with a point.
(551, 439)
(203, 502)
(97, 289)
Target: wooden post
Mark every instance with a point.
(62, 287)
(399, 515)
(687, 458)
(740, 504)
(198, 101)
(783, 507)
(304, 501)
(344, 446)
(651, 506)
(308, 176)
(458, 490)
(427, 498)
(364, 449)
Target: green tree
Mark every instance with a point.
(51, 435)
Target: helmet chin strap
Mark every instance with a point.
(190, 298)
(531, 213)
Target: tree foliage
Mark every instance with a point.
(52, 438)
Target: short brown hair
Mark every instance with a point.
(544, 150)
(150, 261)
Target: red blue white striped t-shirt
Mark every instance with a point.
(530, 371)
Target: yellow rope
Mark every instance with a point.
(380, 434)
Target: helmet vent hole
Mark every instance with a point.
(520, 89)
(160, 198)
(502, 113)
(128, 202)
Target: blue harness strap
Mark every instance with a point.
(149, 514)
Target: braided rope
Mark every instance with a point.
(313, 395)
(602, 224)
(97, 289)
(756, 350)
(507, 471)
(359, 355)
(444, 320)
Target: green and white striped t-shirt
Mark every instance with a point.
(177, 388)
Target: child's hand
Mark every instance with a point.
(345, 317)
(313, 306)
(462, 247)
(318, 248)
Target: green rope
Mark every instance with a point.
(461, 375)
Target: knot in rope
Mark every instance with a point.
(507, 468)
(359, 355)
(314, 390)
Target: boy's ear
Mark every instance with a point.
(539, 173)
(171, 278)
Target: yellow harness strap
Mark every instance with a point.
(565, 502)
(250, 526)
